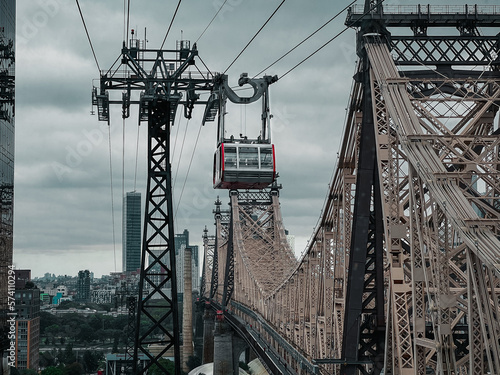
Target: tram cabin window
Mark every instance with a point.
(230, 158)
(266, 158)
(249, 157)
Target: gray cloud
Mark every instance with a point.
(63, 207)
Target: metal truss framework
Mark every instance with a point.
(436, 178)
(208, 261)
(158, 81)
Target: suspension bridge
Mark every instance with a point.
(402, 273)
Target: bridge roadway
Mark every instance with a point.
(269, 357)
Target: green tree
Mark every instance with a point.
(96, 322)
(91, 360)
(47, 359)
(73, 369)
(115, 346)
(65, 305)
(28, 371)
(52, 330)
(46, 320)
(166, 363)
(30, 285)
(52, 370)
(86, 333)
(68, 355)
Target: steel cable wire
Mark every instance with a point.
(212, 20)
(307, 38)
(88, 35)
(257, 33)
(171, 22)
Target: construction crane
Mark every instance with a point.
(158, 81)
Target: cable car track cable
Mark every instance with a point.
(128, 23)
(180, 154)
(257, 33)
(307, 38)
(212, 20)
(329, 41)
(171, 22)
(188, 170)
(88, 35)
(112, 196)
(136, 157)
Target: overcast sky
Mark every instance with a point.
(64, 208)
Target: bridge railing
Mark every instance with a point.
(433, 9)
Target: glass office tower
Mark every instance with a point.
(7, 53)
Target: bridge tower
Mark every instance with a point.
(418, 251)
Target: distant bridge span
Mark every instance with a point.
(403, 270)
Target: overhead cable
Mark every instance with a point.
(128, 23)
(331, 40)
(88, 36)
(180, 154)
(171, 22)
(303, 41)
(212, 20)
(112, 195)
(251, 40)
(136, 157)
(187, 173)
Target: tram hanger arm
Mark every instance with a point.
(259, 85)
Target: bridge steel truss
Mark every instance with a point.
(412, 285)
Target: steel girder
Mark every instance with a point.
(364, 326)
(449, 143)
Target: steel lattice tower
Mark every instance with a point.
(155, 80)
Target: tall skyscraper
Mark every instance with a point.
(131, 239)
(7, 73)
(27, 303)
(181, 242)
(83, 286)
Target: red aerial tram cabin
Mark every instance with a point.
(244, 166)
(242, 163)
